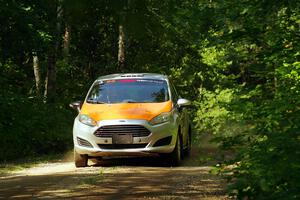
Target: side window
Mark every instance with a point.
(174, 94)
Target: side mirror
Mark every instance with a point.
(76, 105)
(183, 102)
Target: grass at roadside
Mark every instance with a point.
(9, 167)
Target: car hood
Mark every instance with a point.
(145, 111)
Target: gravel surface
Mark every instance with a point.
(130, 178)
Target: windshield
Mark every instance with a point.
(129, 91)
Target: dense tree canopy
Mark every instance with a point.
(238, 60)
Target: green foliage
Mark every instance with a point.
(212, 111)
(28, 127)
(237, 60)
(269, 167)
(253, 107)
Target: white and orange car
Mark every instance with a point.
(131, 115)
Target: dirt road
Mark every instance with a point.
(134, 178)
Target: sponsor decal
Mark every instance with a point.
(134, 80)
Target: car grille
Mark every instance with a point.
(122, 146)
(135, 130)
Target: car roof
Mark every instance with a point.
(133, 76)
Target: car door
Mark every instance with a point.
(182, 114)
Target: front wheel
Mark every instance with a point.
(80, 160)
(176, 155)
(187, 150)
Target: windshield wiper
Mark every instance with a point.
(95, 102)
(129, 101)
(101, 102)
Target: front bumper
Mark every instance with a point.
(158, 132)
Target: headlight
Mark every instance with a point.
(85, 119)
(161, 118)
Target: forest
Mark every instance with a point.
(237, 60)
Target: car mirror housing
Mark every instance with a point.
(76, 105)
(183, 102)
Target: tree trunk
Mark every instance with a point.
(50, 82)
(66, 42)
(121, 52)
(59, 18)
(37, 73)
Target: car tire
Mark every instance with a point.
(187, 150)
(80, 160)
(176, 156)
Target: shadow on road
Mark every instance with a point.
(130, 178)
(198, 157)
